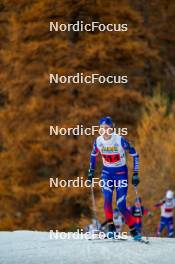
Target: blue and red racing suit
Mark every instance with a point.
(138, 212)
(114, 172)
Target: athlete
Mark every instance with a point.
(118, 220)
(112, 148)
(138, 210)
(94, 227)
(167, 206)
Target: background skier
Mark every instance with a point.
(166, 206)
(118, 220)
(138, 210)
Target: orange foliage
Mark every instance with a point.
(29, 105)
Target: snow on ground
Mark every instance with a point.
(28, 247)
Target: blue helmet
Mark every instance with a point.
(106, 121)
(138, 200)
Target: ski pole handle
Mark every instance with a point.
(137, 197)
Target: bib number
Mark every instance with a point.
(112, 158)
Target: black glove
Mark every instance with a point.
(135, 179)
(90, 175)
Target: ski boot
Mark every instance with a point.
(135, 234)
(111, 230)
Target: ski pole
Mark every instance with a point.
(140, 207)
(94, 206)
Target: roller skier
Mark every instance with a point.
(112, 148)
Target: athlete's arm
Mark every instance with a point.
(130, 208)
(174, 202)
(132, 152)
(94, 154)
(146, 211)
(158, 205)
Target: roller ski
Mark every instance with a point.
(137, 237)
(111, 235)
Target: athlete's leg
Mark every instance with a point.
(121, 191)
(107, 190)
(121, 203)
(161, 226)
(170, 227)
(138, 226)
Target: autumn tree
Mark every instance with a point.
(29, 104)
